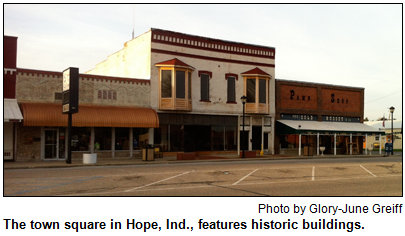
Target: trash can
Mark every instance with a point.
(310, 150)
(148, 153)
(306, 150)
(388, 148)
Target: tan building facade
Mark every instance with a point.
(113, 112)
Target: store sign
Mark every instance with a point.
(338, 100)
(70, 91)
(299, 97)
(66, 80)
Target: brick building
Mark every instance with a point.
(12, 113)
(313, 115)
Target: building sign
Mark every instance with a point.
(299, 117)
(341, 119)
(66, 80)
(298, 97)
(70, 91)
(341, 100)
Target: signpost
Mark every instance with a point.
(70, 102)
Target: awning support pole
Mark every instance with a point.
(92, 139)
(299, 146)
(366, 145)
(335, 144)
(380, 143)
(113, 142)
(131, 141)
(351, 145)
(317, 144)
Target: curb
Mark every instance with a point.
(39, 165)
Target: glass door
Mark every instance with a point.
(51, 143)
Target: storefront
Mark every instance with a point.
(191, 132)
(109, 131)
(302, 137)
(12, 115)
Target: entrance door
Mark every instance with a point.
(51, 143)
(244, 140)
(256, 137)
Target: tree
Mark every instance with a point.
(366, 119)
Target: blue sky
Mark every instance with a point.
(343, 44)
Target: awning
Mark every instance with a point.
(299, 127)
(12, 112)
(50, 114)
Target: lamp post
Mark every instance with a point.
(392, 109)
(243, 99)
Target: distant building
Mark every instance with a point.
(378, 141)
(12, 113)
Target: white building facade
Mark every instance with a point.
(195, 86)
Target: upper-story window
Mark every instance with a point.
(251, 90)
(205, 77)
(231, 83)
(166, 83)
(205, 87)
(256, 89)
(175, 85)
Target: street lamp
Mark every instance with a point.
(243, 99)
(392, 109)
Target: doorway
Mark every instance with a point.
(54, 144)
(256, 137)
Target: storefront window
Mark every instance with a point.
(102, 136)
(230, 138)
(217, 138)
(121, 139)
(141, 138)
(176, 138)
(80, 139)
(161, 137)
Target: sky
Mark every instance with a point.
(358, 45)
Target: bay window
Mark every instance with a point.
(175, 85)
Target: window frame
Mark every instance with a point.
(174, 98)
(231, 84)
(234, 79)
(205, 77)
(257, 106)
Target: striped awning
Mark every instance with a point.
(50, 114)
(12, 112)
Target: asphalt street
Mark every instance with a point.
(363, 176)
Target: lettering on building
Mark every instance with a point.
(298, 97)
(338, 100)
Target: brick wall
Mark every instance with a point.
(318, 99)
(41, 86)
(29, 144)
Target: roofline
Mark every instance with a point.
(84, 76)
(212, 39)
(314, 83)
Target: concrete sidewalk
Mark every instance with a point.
(165, 160)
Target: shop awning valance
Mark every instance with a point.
(50, 114)
(12, 112)
(300, 127)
